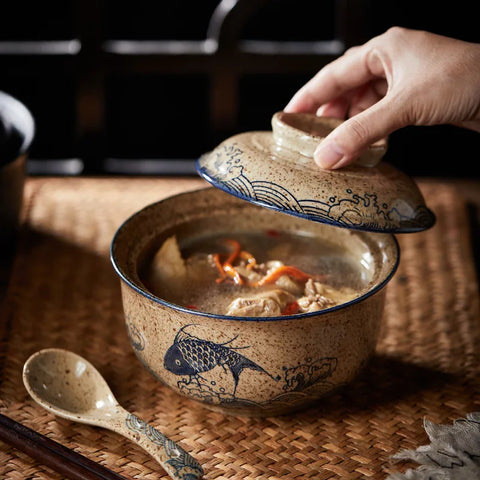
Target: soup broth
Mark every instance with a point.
(261, 273)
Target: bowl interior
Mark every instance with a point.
(211, 211)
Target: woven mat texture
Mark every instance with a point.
(64, 293)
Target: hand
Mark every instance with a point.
(402, 77)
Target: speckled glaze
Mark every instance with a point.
(69, 386)
(276, 170)
(250, 366)
(302, 132)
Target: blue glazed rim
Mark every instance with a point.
(145, 293)
(364, 228)
(402, 227)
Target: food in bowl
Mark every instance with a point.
(256, 274)
(245, 365)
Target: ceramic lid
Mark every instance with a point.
(275, 169)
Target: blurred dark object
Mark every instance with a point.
(110, 83)
(16, 135)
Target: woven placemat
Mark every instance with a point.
(64, 293)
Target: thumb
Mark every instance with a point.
(350, 139)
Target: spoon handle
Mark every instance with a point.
(179, 464)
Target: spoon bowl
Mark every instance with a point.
(69, 386)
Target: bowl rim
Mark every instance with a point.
(150, 296)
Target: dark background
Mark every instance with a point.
(93, 106)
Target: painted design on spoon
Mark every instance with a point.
(186, 467)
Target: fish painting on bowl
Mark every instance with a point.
(270, 353)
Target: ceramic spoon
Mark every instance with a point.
(69, 386)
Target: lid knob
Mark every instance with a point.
(302, 132)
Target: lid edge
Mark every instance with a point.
(424, 218)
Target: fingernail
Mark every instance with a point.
(328, 154)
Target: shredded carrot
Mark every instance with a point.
(232, 273)
(218, 264)
(227, 268)
(293, 272)
(291, 308)
(236, 251)
(251, 260)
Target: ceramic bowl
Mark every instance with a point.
(16, 134)
(238, 365)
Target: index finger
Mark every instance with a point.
(352, 70)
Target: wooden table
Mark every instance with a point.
(62, 292)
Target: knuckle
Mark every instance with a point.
(357, 131)
(395, 32)
(352, 50)
(351, 137)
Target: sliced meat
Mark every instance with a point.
(272, 265)
(318, 296)
(267, 267)
(249, 274)
(290, 285)
(313, 304)
(265, 304)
